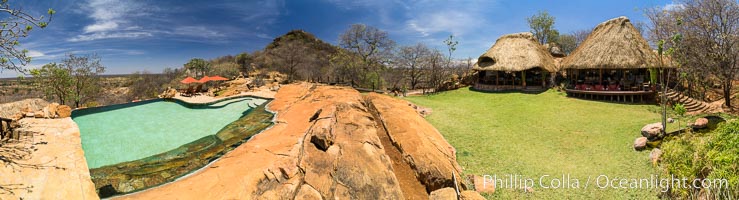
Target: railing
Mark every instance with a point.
(486, 87)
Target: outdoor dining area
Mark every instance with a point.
(610, 84)
(614, 63)
(515, 62)
(195, 86)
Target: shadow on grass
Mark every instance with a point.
(509, 91)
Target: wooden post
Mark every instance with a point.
(523, 78)
(497, 76)
(601, 77)
(543, 78)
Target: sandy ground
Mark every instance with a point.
(58, 148)
(206, 99)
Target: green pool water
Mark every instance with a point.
(128, 132)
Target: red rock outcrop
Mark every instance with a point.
(328, 143)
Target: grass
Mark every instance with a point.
(533, 135)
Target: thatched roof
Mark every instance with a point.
(614, 44)
(515, 52)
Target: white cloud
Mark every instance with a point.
(35, 54)
(101, 27)
(264, 36)
(109, 35)
(455, 22)
(112, 19)
(197, 31)
(673, 6)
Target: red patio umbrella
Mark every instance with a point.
(188, 80)
(217, 78)
(204, 79)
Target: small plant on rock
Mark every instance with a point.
(680, 111)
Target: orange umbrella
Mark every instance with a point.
(217, 78)
(188, 80)
(204, 79)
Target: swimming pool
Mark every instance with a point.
(120, 133)
(135, 146)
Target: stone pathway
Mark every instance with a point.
(58, 148)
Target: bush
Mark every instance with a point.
(713, 155)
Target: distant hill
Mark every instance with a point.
(304, 39)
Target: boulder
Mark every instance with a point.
(446, 193)
(700, 123)
(39, 114)
(423, 147)
(17, 116)
(471, 195)
(64, 111)
(169, 93)
(640, 143)
(52, 109)
(7, 110)
(4, 126)
(26, 108)
(481, 186)
(655, 155)
(652, 131)
(30, 114)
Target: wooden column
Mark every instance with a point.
(523, 78)
(497, 76)
(543, 79)
(601, 77)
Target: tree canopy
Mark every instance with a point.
(542, 26)
(17, 24)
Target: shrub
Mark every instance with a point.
(713, 155)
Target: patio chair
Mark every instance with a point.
(189, 92)
(613, 87)
(198, 90)
(598, 87)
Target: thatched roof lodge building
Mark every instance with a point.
(515, 62)
(612, 62)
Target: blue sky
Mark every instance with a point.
(138, 35)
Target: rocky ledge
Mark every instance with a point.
(329, 143)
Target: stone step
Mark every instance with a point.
(692, 103)
(671, 95)
(695, 107)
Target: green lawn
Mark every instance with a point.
(545, 134)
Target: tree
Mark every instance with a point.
(434, 63)
(289, 56)
(410, 58)
(373, 46)
(198, 65)
(709, 45)
(84, 71)
(75, 79)
(710, 31)
(244, 60)
(542, 26)
(451, 46)
(345, 66)
(17, 25)
(54, 81)
(580, 36)
(567, 43)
